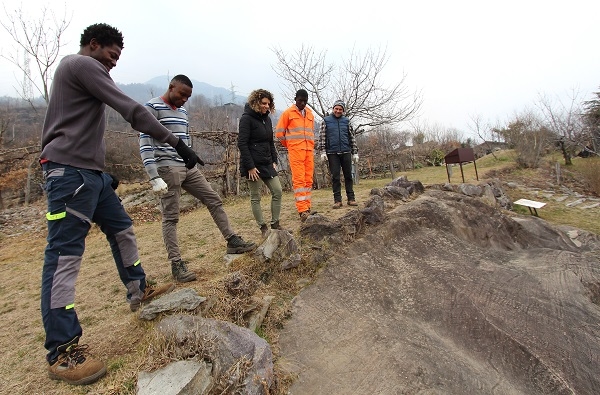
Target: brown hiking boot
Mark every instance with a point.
(75, 365)
(304, 215)
(181, 273)
(337, 205)
(150, 292)
(352, 203)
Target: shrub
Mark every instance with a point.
(435, 157)
(588, 168)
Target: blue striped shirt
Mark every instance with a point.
(156, 154)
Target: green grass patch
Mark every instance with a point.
(116, 364)
(582, 219)
(558, 213)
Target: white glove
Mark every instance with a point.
(355, 158)
(323, 157)
(159, 186)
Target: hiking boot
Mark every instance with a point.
(264, 229)
(352, 203)
(337, 205)
(150, 292)
(237, 245)
(181, 273)
(304, 215)
(75, 365)
(275, 225)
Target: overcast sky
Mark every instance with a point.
(489, 59)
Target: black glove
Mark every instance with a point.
(188, 155)
(115, 182)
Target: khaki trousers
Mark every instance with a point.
(193, 182)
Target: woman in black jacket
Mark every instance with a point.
(258, 158)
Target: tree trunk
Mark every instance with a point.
(566, 154)
(29, 181)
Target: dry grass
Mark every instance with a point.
(130, 345)
(545, 179)
(580, 177)
(14, 178)
(487, 167)
(113, 332)
(589, 168)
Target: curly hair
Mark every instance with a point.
(256, 96)
(103, 33)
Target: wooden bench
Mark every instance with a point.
(530, 204)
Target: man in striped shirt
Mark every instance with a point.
(169, 175)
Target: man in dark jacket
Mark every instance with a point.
(338, 146)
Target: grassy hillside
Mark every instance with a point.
(581, 179)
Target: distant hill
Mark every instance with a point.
(158, 85)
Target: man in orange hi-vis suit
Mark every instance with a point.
(295, 131)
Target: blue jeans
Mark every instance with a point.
(77, 197)
(343, 162)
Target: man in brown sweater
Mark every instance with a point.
(79, 193)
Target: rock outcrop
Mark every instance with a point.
(450, 294)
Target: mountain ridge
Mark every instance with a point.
(142, 92)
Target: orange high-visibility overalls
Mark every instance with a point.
(296, 132)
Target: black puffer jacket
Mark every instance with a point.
(255, 141)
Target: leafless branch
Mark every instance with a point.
(356, 80)
(38, 39)
(566, 121)
(483, 131)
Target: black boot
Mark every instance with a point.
(275, 225)
(264, 229)
(237, 245)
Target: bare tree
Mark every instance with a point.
(39, 39)
(566, 121)
(529, 136)
(419, 131)
(6, 119)
(305, 69)
(212, 118)
(357, 81)
(435, 132)
(484, 131)
(391, 143)
(592, 121)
